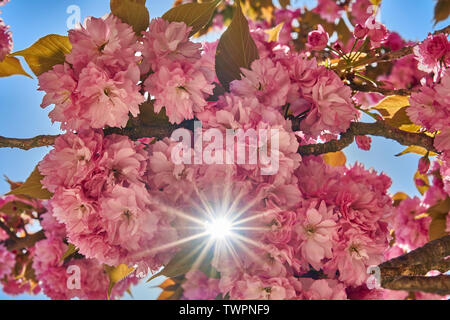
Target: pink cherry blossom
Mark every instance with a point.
(410, 228)
(107, 42)
(432, 53)
(326, 290)
(199, 287)
(182, 91)
(328, 9)
(318, 40)
(361, 10)
(267, 81)
(331, 106)
(364, 142)
(6, 42)
(7, 261)
(317, 229)
(168, 41)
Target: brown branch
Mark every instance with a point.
(379, 129)
(408, 271)
(428, 255)
(438, 285)
(386, 92)
(390, 56)
(27, 144)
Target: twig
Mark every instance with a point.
(27, 144)
(386, 92)
(379, 129)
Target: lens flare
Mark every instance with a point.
(219, 229)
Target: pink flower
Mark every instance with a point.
(430, 107)
(410, 228)
(328, 10)
(106, 42)
(75, 156)
(181, 90)
(7, 261)
(325, 290)
(364, 142)
(317, 230)
(394, 41)
(256, 288)
(267, 81)
(199, 287)
(107, 101)
(424, 165)
(318, 40)
(98, 86)
(377, 32)
(442, 141)
(331, 106)
(432, 52)
(361, 10)
(360, 32)
(168, 41)
(3, 2)
(6, 42)
(354, 253)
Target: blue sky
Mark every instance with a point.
(21, 116)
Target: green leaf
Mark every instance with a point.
(11, 66)
(46, 53)
(132, 12)
(71, 250)
(117, 274)
(439, 214)
(424, 185)
(417, 150)
(194, 256)
(274, 33)
(195, 15)
(335, 159)
(236, 49)
(16, 208)
(33, 187)
(398, 198)
(389, 106)
(441, 11)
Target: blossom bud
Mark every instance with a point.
(424, 165)
(360, 32)
(318, 39)
(364, 142)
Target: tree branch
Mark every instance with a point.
(386, 92)
(27, 144)
(379, 129)
(438, 285)
(408, 271)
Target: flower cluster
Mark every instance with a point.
(306, 231)
(100, 198)
(98, 84)
(76, 278)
